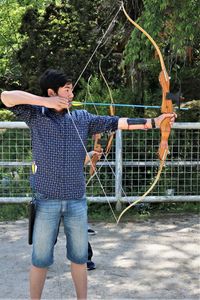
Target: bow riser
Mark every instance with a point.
(166, 107)
(165, 132)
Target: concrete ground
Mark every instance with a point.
(154, 259)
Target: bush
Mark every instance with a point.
(12, 212)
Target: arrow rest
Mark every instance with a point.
(177, 98)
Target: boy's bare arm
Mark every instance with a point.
(12, 98)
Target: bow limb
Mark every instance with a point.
(166, 107)
(89, 94)
(164, 80)
(112, 134)
(145, 194)
(112, 111)
(97, 137)
(112, 108)
(151, 40)
(95, 158)
(97, 141)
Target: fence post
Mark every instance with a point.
(118, 169)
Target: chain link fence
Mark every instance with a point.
(125, 174)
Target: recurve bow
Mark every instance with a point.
(166, 107)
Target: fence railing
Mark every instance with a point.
(125, 174)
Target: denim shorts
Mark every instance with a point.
(47, 220)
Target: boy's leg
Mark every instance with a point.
(44, 236)
(37, 278)
(79, 276)
(75, 226)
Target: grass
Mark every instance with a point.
(101, 212)
(13, 212)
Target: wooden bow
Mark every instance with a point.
(166, 107)
(97, 138)
(95, 158)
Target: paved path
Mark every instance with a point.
(154, 259)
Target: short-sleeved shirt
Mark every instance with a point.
(57, 149)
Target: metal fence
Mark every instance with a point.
(125, 174)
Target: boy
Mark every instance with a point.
(58, 143)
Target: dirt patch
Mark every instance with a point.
(154, 259)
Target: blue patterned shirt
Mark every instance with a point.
(57, 149)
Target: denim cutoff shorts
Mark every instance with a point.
(48, 215)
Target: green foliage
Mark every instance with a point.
(62, 36)
(12, 212)
(96, 91)
(10, 19)
(13, 143)
(11, 40)
(58, 34)
(15, 187)
(101, 212)
(174, 25)
(6, 115)
(36, 35)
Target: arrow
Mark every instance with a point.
(77, 103)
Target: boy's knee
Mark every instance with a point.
(42, 260)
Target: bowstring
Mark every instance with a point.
(112, 102)
(110, 166)
(84, 147)
(98, 45)
(89, 94)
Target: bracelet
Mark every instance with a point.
(153, 124)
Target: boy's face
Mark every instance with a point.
(66, 92)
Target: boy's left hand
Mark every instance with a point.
(98, 154)
(159, 119)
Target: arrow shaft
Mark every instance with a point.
(120, 105)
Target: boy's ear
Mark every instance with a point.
(51, 93)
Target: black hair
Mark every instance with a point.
(53, 79)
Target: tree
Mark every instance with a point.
(10, 39)
(175, 27)
(63, 36)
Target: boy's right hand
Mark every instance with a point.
(57, 103)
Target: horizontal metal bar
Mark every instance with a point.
(156, 163)
(13, 125)
(148, 199)
(112, 163)
(14, 164)
(15, 199)
(187, 125)
(178, 125)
